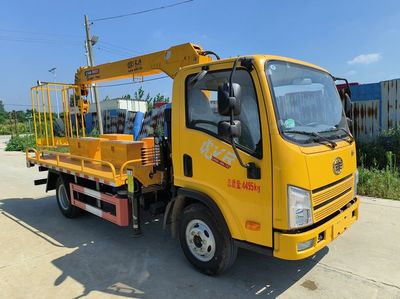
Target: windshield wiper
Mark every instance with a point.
(351, 138)
(317, 137)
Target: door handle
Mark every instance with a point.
(187, 165)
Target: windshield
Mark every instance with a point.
(306, 102)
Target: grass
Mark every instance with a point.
(379, 183)
(379, 166)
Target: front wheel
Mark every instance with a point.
(206, 243)
(64, 200)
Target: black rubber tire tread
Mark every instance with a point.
(72, 211)
(226, 251)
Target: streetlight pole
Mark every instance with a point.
(53, 71)
(89, 44)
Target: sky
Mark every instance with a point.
(356, 39)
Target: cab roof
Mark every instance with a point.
(262, 59)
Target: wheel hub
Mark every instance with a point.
(200, 240)
(63, 197)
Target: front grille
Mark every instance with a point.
(329, 199)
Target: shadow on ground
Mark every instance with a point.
(108, 259)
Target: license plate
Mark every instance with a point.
(341, 225)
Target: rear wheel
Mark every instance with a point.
(64, 200)
(206, 243)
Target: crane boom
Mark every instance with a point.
(166, 61)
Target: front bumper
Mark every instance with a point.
(286, 245)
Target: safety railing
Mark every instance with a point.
(125, 165)
(70, 114)
(39, 154)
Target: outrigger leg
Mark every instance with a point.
(133, 197)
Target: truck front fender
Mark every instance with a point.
(186, 196)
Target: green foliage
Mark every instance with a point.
(373, 154)
(160, 98)
(20, 143)
(159, 131)
(10, 129)
(94, 133)
(3, 113)
(140, 95)
(379, 166)
(60, 149)
(15, 122)
(379, 183)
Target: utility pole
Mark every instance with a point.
(88, 63)
(90, 60)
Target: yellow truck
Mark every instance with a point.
(256, 154)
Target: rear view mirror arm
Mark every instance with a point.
(237, 154)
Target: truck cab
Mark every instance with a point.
(293, 131)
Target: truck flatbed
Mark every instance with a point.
(97, 170)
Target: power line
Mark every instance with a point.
(114, 50)
(142, 11)
(47, 42)
(35, 39)
(130, 51)
(116, 54)
(129, 83)
(40, 33)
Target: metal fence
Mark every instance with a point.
(376, 108)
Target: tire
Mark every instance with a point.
(206, 242)
(64, 200)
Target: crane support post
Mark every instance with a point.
(166, 61)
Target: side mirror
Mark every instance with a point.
(226, 130)
(226, 102)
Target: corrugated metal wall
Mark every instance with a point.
(390, 104)
(366, 100)
(366, 119)
(376, 108)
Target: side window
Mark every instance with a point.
(202, 113)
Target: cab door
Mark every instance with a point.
(205, 162)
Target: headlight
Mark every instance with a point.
(299, 204)
(355, 182)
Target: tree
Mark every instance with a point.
(160, 98)
(3, 113)
(28, 113)
(139, 95)
(20, 115)
(156, 99)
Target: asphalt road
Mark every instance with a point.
(44, 255)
